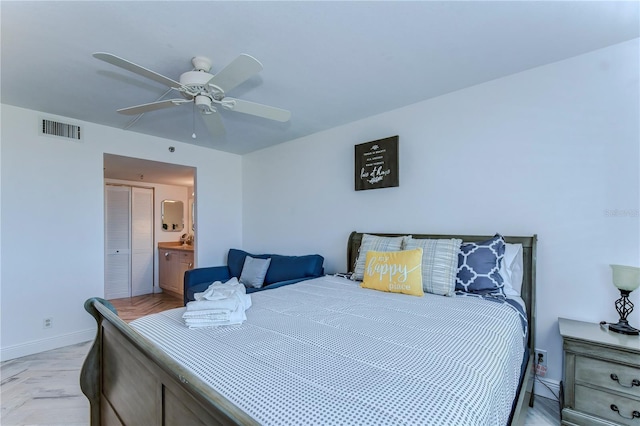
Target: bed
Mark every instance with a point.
(308, 354)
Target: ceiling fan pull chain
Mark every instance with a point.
(194, 121)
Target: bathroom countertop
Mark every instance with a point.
(175, 245)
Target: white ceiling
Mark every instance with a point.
(329, 63)
(146, 171)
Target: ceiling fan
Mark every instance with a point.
(206, 91)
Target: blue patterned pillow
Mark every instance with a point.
(479, 266)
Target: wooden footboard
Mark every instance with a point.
(128, 381)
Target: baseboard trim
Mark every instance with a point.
(42, 345)
(541, 390)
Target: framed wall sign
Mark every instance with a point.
(376, 164)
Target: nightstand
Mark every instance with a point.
(601, 375)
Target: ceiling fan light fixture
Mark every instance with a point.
(201, 63)
(216, 92)
(203, 103)
(194, 82)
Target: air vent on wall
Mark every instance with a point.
(63, 130)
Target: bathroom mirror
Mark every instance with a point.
(172, 215)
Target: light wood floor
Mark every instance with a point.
(131, 308)
(43, 389)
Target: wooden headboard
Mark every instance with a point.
(528, 291)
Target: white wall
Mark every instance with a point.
(52, 229)
(552, 151)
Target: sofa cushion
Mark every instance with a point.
(235, 260)
(254, 271)
(284, 268)
(276, 285)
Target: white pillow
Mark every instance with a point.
(512, 269)
(253, 271)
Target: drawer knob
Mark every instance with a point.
(634, 382)
(634, 415)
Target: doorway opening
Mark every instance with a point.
(136, 192)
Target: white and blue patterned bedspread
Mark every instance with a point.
(327, 352)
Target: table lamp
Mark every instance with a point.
(626, 279)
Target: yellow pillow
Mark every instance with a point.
(394, 271)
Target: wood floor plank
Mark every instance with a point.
(131, 308)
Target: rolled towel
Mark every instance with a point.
(219, 290)
(234, 300)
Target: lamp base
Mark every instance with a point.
(623, 327)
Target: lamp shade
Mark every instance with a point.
(626, 277)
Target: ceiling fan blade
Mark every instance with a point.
(213, 123)
(260, 110)
(130, 66)
(238, 71)
(152, 106)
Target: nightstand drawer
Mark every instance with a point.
(599, 403)
(608, 375)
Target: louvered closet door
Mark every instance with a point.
(117, 271)
(141, 241)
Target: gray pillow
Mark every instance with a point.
(374, 243)
(439, 263)
(254, 271)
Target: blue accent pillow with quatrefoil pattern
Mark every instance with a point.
(479, 267)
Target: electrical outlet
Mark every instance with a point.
(541, 357)
(47, 323)
(540, 362)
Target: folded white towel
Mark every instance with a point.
(234, 318)
(236, 301)
(202, 321)
(212, 314)
(220, 304)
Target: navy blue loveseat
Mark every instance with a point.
(283, 270)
